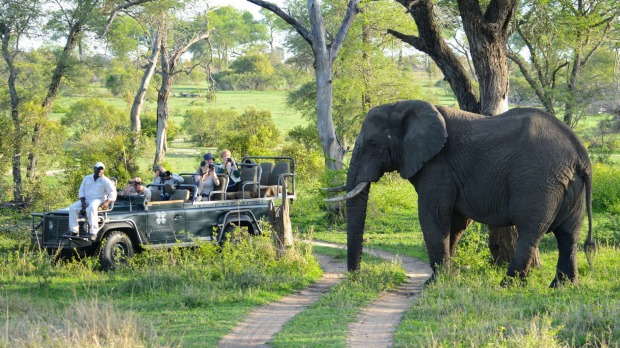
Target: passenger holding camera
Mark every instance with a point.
(166, 180)
(206, 179)
(163, 177)
(229, 167)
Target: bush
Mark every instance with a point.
(207, 127)
(93, 114)
(606, 189)
(149, 126)
(253, 132)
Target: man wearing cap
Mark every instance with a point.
(96, 190)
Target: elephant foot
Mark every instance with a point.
(430, 280)
(513, 281)
(560, 281)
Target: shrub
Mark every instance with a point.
(253, 132)
(93, 114)
(606, 189)
(207, 127)
(149, 126)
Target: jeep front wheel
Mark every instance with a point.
(115, 251)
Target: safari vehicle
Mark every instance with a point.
(130, 225)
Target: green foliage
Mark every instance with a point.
(307, 136)
(149, 126)
(252, 132)
(93, 114)
(606, 188)
(120, 82)
(207, 127)
(309, 163)
(252, 63)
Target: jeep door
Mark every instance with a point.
(166, 223)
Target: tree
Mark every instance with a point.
(324, 55)
(253, 133)
(558, 36)
(233, 29)
(71, 19)
(177, 37)
(16, 18)
(487, 33)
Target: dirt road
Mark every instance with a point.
(375, 325)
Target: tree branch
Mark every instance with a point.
(352, 10)
(115, 12)
(286, 17)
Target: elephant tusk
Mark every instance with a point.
(334, 189)
(359, 188)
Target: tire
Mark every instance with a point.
(233, 234)
(116, 250)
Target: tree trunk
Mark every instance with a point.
(61, 66)
(431, 42)
(283, 236)
(17, 131)
(162, 118)
(138, 102)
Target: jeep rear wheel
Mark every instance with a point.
(115, 251)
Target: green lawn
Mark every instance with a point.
(283, 116)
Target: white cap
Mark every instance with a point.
(99, 164)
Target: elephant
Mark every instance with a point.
(523, 168)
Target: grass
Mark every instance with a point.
(283, 116)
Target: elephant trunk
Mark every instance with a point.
(356, 221)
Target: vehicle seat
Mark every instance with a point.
(180, 195)
(274, 186)
(219, 193)
(155, 195)
(250, 176)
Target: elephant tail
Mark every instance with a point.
(589, 245)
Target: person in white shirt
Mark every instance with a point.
(95, 191)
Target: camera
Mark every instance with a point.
(162, 174)
(229, 160)
(211, 165)
(166, 174)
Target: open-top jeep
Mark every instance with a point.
(131, 225)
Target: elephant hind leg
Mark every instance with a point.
(567, 236)
(527, 242)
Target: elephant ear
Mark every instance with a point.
(424, 135)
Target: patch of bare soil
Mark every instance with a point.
(374, 326)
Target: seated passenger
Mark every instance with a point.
(136, 187)
(229, 167)
(165, 177)
(206, 180)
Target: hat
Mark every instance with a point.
(158, 168)
(208, 156)
(99, 164)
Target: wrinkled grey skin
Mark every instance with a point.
(522, 168)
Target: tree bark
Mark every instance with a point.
(5, 31)
(169, 61)
(324, 56)
(430, 41)
(138, 102)
(283, 236)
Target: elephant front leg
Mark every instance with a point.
(436, 231)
